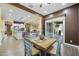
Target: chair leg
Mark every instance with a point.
(45, 53)
(24, 53)
(40, 54)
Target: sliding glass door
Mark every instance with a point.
(55, 27)
(49, 29)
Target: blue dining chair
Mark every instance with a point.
(56, 51)
(29, 49)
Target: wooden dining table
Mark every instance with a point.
(43, 44)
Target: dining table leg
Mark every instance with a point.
(43, 53)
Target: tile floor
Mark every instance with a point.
(12, 48)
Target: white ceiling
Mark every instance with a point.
(18, 14)
(46, 8)
(9, 12)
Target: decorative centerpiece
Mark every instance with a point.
(41, 37)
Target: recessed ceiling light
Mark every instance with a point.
(28, 16)
(10, 10)
(51, 15)
(63, 3)
(45, 11)
(66, 11)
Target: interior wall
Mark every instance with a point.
(78, 24)
(71, 23)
